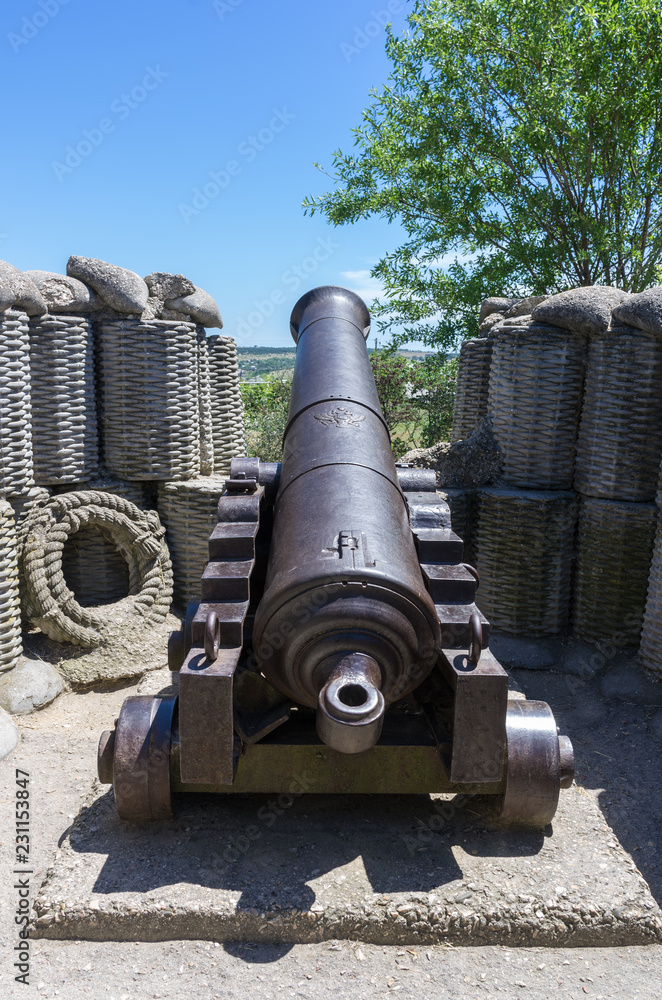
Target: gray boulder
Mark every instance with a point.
(494, 304)
(474, 461)
(64, 294)
(489, 322)
(121, 290)
(643, 310)
(168, 286)
(200, 306)
(582, 310)
(30, 685)
(523, 307)
(6, 298)
(26, 295)
(8, 734)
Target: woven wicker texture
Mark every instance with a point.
(523, 547)
(64, 417)
(205, 405)
(149, 398)
(461, 508)
(614, 552)
(23, 504)
(227, 412)
(658, 497)
(137, 534)
(619, 444)
(10, 608)
(534, 401)
(472, 386)
(189, 512)
(16, 473)
(650, 651)
(94, 568)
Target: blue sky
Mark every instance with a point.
(180, 135)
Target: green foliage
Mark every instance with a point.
(416, 397)
(265, 415)
(519, 143)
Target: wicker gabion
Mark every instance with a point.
(137, 534)
(205, 405)
(189, 512)
(16, 470)
(650, 651)
(614, 551)
(10, 608)
(227, 412)
(64, 418)
(534, 400)
(94, 568)
(619, 444)
(472, 386)
(149, 398)
(523, 548)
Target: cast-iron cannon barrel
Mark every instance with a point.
(346, 624)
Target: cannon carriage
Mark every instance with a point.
(337, 637)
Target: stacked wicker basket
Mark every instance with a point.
(575, 398)
(111, 388)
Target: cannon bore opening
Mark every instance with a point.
(350, 709)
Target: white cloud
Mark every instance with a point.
(363, 284)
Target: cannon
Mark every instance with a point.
(337, 634)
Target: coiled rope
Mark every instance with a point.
(138, 535)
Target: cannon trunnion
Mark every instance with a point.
(337, 635)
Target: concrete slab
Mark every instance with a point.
(386, 870)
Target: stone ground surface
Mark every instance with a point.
(619, 802)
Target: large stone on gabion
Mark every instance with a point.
(584, 310)
(614, 551)
(650, 650)
(10, 609)
(535, 394)
(64, 415)
(472, 386)
(64, 294)
(149, 399)
(16, 469)
(643, 310)
(522, 548)
(189, 511)
(619, 444)
(121, 290)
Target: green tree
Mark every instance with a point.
(519, 144)
(265, 415)
(416, 398)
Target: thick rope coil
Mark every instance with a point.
(138, 535)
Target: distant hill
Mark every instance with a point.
(256, 362)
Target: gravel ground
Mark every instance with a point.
(618, 760)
